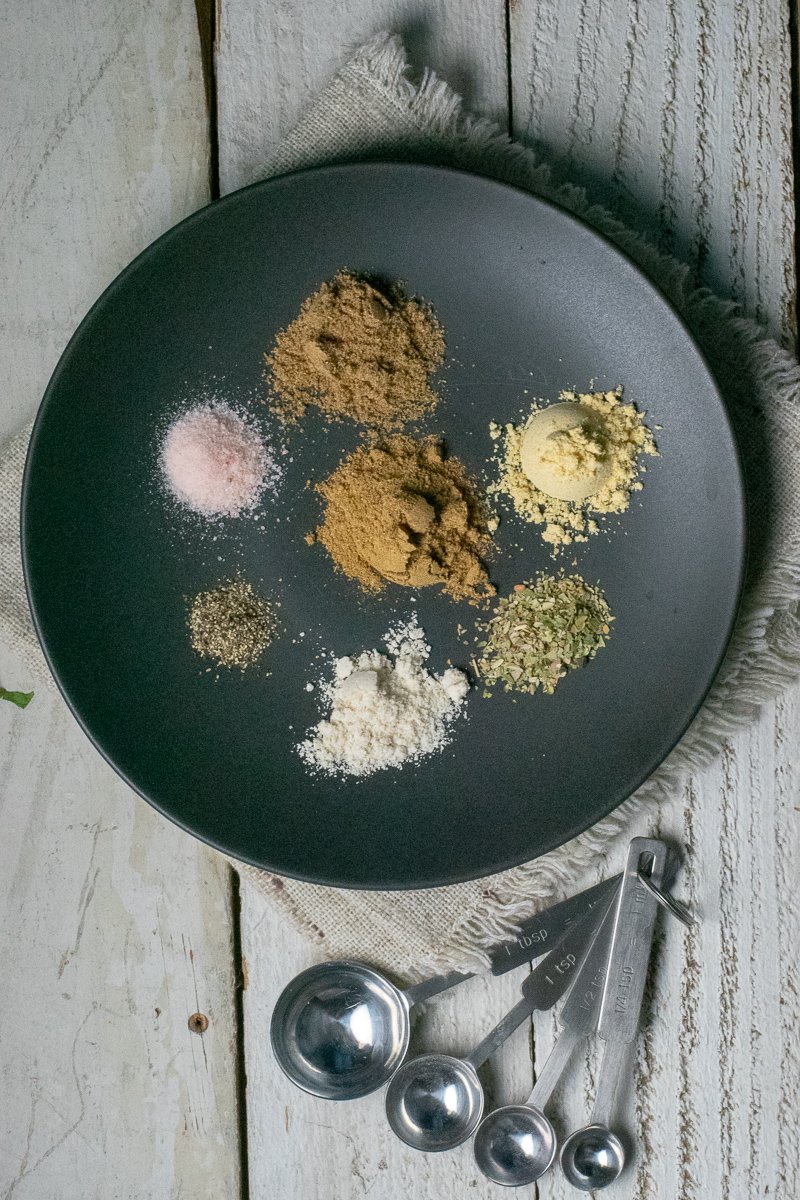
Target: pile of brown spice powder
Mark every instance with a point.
(403, 512)
(231, 625)
(357, 351)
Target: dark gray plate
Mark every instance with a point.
(530, 299)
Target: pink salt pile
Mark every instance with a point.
(216, 463)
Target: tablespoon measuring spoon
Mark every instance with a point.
(593, 1157)
(339, 1030)
(435, 1102)
(516, 1144)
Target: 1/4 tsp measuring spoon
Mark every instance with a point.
(435, 1102)
(339, 1030)
(516, 1144)
(593, 1157)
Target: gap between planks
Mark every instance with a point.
(509, 5)
(794, 117)
(208, 25)
(240, 983)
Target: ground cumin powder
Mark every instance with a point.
(357, 351)
(400, 511)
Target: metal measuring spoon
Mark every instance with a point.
(339, 1030)
(593, 1157)
(516, 1144)
(434, 1102)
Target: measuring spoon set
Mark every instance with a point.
(340, 1030)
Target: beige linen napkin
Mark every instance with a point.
(371, 109)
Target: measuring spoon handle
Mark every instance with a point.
(632, 938)
(581, 1009)
(545, 986)
(501, 1032)
(539, 933)
(533, 940)
(418, 992)
(614, 1058)
(553, 1069)
(634, 920)
(580, 1012)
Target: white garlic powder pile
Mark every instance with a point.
(385, 710)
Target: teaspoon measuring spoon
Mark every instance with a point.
(593, 1157)
(516, 1144)
(340, 1030)
(434, 1102)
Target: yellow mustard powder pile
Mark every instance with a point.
(575, 452)
(589, 462)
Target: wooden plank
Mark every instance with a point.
(781, 918)
(678, 115)
(104, 146)
(114, 926)
(115, 929)
(274, 55)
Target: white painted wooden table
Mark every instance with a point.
(115, 926)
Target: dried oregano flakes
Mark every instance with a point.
(545, 628)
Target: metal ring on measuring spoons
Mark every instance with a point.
(667, 901)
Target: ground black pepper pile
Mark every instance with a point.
(231, 625)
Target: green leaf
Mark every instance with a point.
(21, 699)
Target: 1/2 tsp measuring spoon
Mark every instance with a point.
(339, 1030)
(593, 1157)
(435, 1102)
(516, 1144)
